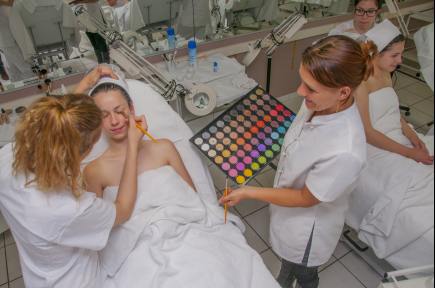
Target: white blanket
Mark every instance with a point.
(168, 243)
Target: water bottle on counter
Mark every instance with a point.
(191, 70)
(171, 38)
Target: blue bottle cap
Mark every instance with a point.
(191, 44)
(170, 31)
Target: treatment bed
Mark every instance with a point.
(133, 264)
(398, 224)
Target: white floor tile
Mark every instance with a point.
(417, 118)
(360, 269)
(426, 107)
(327, 264)
(2, 239)
(402, 81)
(266, 179)
(378, 265)
(14, 267)
(3, 269)
(420, 89)
(336, 276)
(201, 123)
(272, 262)
(254, 240)
(408, 98)
(218, 177)
(295, 103)
(341, 250)
(19, 283)
(260, 221)
(4, 286)
(249, 206)
(423, 130)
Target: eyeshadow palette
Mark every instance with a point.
(247, 137)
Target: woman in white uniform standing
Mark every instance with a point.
(322, 158)
(17, 68)
(365, 15)
(58, 227)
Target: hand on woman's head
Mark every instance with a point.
(93, 77)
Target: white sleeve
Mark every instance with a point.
(91, 226)
(332, 177)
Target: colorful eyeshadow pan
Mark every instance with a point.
(213, 141)
(245, 139)
(219, 160)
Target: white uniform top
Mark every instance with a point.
(94, 10)
(327, 155)
(341, 28)
(6, 38)
(57, 235)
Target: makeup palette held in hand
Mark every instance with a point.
(246, 137)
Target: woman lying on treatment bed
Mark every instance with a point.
(167, 243)
(400, 173)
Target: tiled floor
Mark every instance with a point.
(346, 269)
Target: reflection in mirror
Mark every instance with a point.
(37, 42)
(314, 9)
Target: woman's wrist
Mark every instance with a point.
(408, 153)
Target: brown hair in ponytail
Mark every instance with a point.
(339, 61)
(51, 139)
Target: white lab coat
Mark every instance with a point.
(344, 28)
(15, 64)
(327, 155)
(57, 235)
(127, 17)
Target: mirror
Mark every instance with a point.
(42, 39)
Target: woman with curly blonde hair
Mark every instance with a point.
(58, 226)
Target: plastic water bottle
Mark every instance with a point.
(192, 53)
(191, 69)
(171, 38)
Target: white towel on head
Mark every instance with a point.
(120, 81)
(382, 34)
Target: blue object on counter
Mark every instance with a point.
(192, 53)
(171, 38)
(215, 67)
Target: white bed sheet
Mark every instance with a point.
(417, 253)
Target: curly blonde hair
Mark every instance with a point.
(51, 139)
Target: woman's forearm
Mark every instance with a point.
(407, 130)
(383, 142)
(127, 192)
(282, 197)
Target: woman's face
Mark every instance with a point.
(319, 98)
(115, 111)
(365, 15)
(389, 60)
